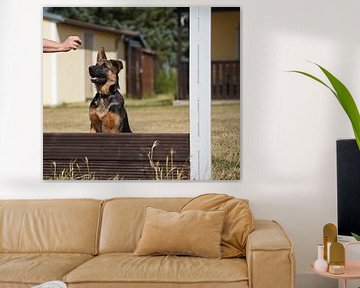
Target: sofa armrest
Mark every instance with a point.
(269, 256)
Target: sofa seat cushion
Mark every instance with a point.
(127, 268)
(36, 268)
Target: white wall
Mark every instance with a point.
(289, 124)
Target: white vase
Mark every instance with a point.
(320, 264)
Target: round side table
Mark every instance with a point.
(352, 269)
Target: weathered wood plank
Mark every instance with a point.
(120, 156)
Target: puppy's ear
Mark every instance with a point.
(101, 54)
(118, 64)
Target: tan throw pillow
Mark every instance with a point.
(239, 220)
(196, 233)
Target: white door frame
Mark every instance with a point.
(200, 93)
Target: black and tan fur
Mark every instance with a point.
(107, 110)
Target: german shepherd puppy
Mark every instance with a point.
(107, 110)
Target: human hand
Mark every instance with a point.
(72, 42)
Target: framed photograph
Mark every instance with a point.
(141, 93)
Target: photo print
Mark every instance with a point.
(139, 93)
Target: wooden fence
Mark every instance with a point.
(225, 80)
(116, 156)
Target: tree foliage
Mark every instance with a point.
(158, 25)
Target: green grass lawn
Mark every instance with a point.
(225, 128)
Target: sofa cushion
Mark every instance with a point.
(123, 220)
(63, 226)
(36, 268)
(238, 223)
(193, 232)
(126, 268)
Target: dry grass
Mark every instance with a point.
(225, 138)
(142, 119)
(168, 171)
(72, 172)
(225, 129)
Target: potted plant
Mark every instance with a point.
(346, 100)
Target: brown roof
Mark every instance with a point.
(60, 19)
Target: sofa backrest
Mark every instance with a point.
(67, 226)
(123, 220)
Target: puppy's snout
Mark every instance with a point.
(97, 71)
(92, 70)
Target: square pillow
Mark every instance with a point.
(193, 232)
(238, 222)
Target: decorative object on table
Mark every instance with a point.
(329, 236)
(336, 269)
(337, 258)
(320, 264)
(350, 270)
(52, 284)
(344, 97)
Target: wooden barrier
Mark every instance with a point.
(225, 80)
(116, 156)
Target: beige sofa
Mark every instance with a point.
(89, 243)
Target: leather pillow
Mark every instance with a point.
(196, 233)
(238, 223)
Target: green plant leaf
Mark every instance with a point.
(356, 236)
(347, 102)
(316, 79)
(344, 97)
